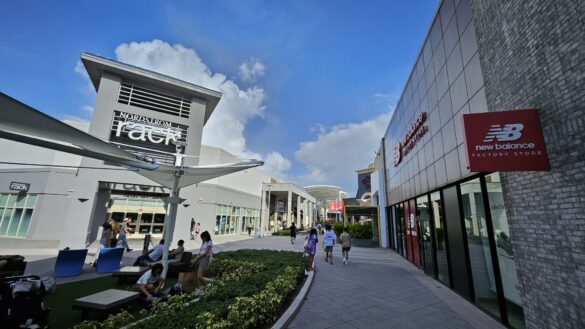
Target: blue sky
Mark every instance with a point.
(305, 82)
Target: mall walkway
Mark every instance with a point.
(378, 289)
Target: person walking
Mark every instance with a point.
(329, 238)
(345, 244)
(122, 238)
(319, 228)
(204, 258)
(312, 241)
(192, 228)
(293, 233)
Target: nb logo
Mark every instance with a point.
(509, 132)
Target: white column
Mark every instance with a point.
(298, 210)
(288, 220)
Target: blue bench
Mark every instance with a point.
(70, 262)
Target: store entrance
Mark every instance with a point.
(147, 211)
(426, 244)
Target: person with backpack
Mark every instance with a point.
(311, 248)
(329, 239)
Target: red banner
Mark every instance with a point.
(505, 141)
(336, 205)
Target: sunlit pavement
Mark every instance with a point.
(378, 289)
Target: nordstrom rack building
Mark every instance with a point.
(482, 167)
(141, 111)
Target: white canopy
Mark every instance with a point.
(22, 123)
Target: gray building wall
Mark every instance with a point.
(446, 82)
(51, 187)
(84, 217)
(533, 56)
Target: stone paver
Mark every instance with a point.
(378, 289)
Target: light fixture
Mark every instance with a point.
(82, 199)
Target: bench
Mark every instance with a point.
(130, 272)
(105, 301)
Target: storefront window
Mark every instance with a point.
(423, 216)
(504, 250)
(440, 242)
(15, 214)
(479, 249)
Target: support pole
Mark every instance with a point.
(169, 228)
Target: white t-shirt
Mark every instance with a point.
(329, 238)
(147, 278)
(204, 246)
(156, 254)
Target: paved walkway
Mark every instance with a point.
(378, 289)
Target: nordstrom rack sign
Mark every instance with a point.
(142, 131)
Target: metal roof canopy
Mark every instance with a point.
(325, 192)
(22, 123)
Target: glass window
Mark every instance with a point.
(144, 229)
(24, 224)
(134, 203)
(119, 202)
(146, 218)
(157, 229)
(3, 199)
(216, 228)
(425, 236)
(222, 225)
(118, 216)
(479, 249)
(5, 221)
(504, 250)
(31, 201)
(133, 215)
(13, 228)
(11, 201)
(159, 218)
(458, 261)
(440, 239)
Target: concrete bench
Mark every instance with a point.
(105, 301)
(130, 272)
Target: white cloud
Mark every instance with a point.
(277, 165)
(87, 109)
(340, 150)
(251, 69)
(88, 87)
(226, 126)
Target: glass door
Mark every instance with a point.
(423, 214)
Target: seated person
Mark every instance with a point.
(151, 282)
(153, 255)
(177, 254)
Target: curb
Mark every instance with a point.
(295, 306)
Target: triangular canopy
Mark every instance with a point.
(22, 123)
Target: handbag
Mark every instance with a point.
(188, 281)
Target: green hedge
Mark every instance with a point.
(285, 232)
(356, 231)
(249, 290)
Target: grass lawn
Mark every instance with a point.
(62, 315)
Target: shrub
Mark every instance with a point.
(361, 231)
(338, 228)
(285, 232)
(248, 291)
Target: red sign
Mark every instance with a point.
(336, 205)
(415, 132)
(505, 141)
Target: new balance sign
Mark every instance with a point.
(505, 141)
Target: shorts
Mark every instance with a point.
(329, 248)
(203, 263)
(345, 248)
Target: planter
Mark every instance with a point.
(367, 243)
